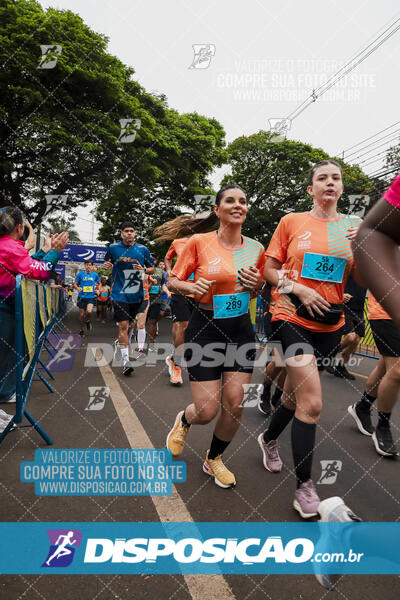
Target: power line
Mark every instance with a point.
(381, 173)
(369, 138)
(386, 143)
(347, 68)
(373, 144)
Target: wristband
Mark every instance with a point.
(261, 290)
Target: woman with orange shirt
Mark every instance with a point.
(219, 340)
(308, 318)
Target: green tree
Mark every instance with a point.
(193, 147)
(60, 126)
(274, 175)
(59, 224)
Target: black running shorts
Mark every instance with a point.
(354, 322)
(386, 336)
(181, 308)
(214, 346)
(83, 302)
(296, 340)
(124, 311)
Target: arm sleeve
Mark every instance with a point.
(21, 263)
(51, 256)
(38, 255)
(171, 252)
(279, 242)
(78, 279)
(187, 261)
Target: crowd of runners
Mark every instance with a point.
(313, 279)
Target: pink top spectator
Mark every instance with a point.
(392, 194)
(15, 260)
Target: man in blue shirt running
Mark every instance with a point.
(129, 262)
(85, 283)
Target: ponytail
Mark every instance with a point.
(187, 225)
(10, 217)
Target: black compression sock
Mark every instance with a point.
(303, 441)
(276, 396)
(217, 447)
(383, 419)
(184, 421)
(281, 417)
(366, 402)
(266, 392)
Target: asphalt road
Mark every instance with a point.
(369, 484)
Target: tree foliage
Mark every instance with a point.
(61, 126)
(274, 175)
(60, 224)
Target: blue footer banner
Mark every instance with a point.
(199, 548)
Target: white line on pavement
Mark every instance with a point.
(169, 508)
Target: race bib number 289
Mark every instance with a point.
(230, 305)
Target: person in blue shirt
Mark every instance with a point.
(85, 283)
(129, 262)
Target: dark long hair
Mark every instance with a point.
(322, 163)
(10, 217)
(187, 225)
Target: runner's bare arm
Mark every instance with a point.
(199, 288)
(168, 266)
(376, 251)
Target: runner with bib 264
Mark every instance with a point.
(315, 248)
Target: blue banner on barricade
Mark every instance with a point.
(38, 307)
(199, 548)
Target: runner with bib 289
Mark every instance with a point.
(227, 270)
(308, 317)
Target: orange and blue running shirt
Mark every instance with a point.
(375, 310)
(298, 233)
(176, 248)
(208, 258)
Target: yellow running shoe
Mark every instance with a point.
(177, 435)
(216, 468)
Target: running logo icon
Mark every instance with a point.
(64, 358)
(358, 203)
(49, 58)
(129, 128)
(63, 543)
(132, 281)
(279, 128)
(329, 471)
(203, 201)
(252, 393)
(98, 396)
(203, 54)
(55, 202)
